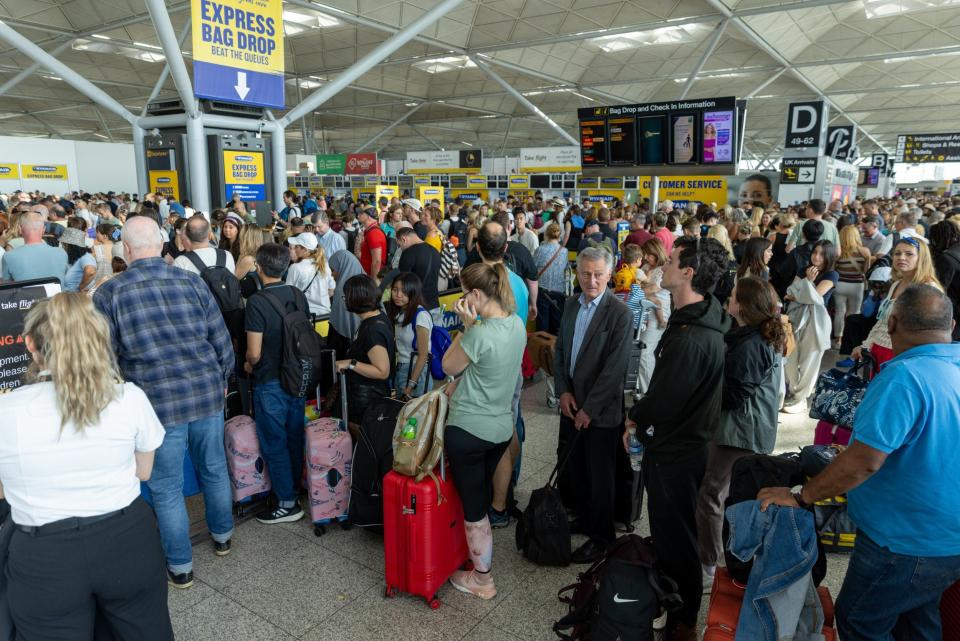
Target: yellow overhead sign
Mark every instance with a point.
(9, 171)
(43, 172)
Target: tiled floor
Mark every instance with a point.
(282, 582)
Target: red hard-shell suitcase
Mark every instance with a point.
(423, 537)
(726, 599)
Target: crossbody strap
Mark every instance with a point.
(550, 262)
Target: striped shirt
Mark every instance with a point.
(169, 337)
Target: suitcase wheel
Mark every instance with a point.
(345, 525)
(240, 510)
(319, 530)
(390, 592)
(434, 603)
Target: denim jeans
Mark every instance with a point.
(423, 385)
(280, 426)
(888, 596)
(204, 438)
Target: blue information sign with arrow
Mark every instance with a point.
(238, 51)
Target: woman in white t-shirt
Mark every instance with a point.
(310, 273)
(73, 450)
(409, 315)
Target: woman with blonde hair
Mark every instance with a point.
(310, 273)
(719, 234)
(480, 423)
(852, 265)
(250, 238)
(756, 220)
(912, 265)
(76, 445)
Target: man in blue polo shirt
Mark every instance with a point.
(902, 471)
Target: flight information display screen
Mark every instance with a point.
(622, 141)
(593, 143)
(704, 131)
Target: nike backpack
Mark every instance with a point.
(619, 596)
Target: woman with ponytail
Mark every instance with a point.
(74, 448)
(752, 378)
(309, 272)
(480, 422)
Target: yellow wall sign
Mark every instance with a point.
(431, 193)
(684, 189)
(9, 171)
(470, 195)
(519, 182)
(477, 182)
(238, 50)
(165, 182)
(43, 172)
(387, 191)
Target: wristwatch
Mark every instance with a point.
(353, 364)
(797, 493)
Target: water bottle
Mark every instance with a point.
(410, 430)
(634, 449)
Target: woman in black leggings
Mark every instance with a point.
(480, 424)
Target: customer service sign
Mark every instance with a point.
(238, 51)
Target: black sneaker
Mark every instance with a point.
(282, 515)
(221, 549)
(180, 581)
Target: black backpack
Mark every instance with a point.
(458, 229)
(301, 360)
(221, 281)
(619, 596)
(543, 531)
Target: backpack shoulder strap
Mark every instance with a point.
(193, 258)
(221, 257)
(275, 301)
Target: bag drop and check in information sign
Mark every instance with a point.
(238, 51)
(244, 175)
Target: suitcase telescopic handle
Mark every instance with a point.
(343, 396)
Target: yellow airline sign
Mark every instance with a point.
(9, 171)
(165, 182)
(43, 172)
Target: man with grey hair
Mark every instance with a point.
(590, 365)
(171, 340)
(638, 234)
(901, 474)
(35, 258)
(331, 241)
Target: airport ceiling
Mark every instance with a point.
(889, 66)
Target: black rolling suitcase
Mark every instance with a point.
(372, 459)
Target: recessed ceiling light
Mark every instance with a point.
(97, 35)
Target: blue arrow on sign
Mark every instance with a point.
(220, 82)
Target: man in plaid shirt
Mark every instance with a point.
(171, 340)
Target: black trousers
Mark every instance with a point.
(112, 570)
(472, 464)
(855, 330)
(587, 483)
(672, 489)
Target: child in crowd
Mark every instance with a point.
(630, 273)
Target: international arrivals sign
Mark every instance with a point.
(238, 51)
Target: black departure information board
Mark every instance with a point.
(679, 137)
(622, 140)
(593, 142)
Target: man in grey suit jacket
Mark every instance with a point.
(591, 360)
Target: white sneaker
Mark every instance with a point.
(468, 582)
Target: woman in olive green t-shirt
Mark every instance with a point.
(480, 422)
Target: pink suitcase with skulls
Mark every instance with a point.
(329, 454)
(249, 478)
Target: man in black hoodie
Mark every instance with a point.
(678, 415)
